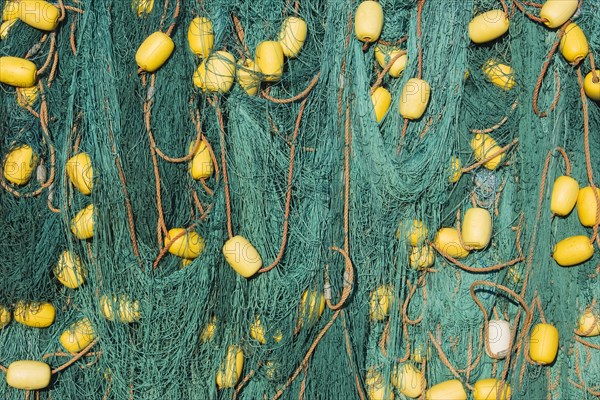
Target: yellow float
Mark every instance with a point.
(69, 270)
(485, 146)
(39, 14)
(448, 390)
(557, 12)
(408, 380)
(27, 96)
(448, 242)
(80, 172)
(312, 306)
(377, 388)
(248, 76)
(414, 98)
(384, 55)
(78, 336)
(381, 99)
(573, 250)
(34, 314)
(587, 206)
(292, 36)
(499, 74)
(564, 195)
(455, 170)
(18, 72)
(591, 85)
(543, 344)
(488, 26)
(28, 375)
(269, 58)
(242, 256)
(82, 224)
(231, 368)
(589, 324)
(368, 21)
(382, 300)
(489, 389)
(201, 166)
(154, 51)
(19, 165)
(200, 35)
(477, 228)
(220, 72)
(189, 245)
(4, 316)
(422, 257)
(574, 45)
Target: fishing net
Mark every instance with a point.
(324, 193)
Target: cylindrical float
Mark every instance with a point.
(28, 375)
(384, 55)
(81, 173)
(477, 228)
(368, 21)
(69, 270)
(421, 257)
(382, 299)
(543, 344)
(489, 389)
(591, 85)
(18, 72)
(414, 98)
(19, 165)
(564, 195)
(448, 242)
(39, 14)
(34, 314)
(488, 26)
(82, 224)
(588, 324)
(154, 51)
(573, 251)
(448, 390)
(311, 307)
(292, 36)
(220, 72)
(381, 99)
(27, 96)
(248, 76)
(498, 338)
(269, 58)
(377, 387)
(408, 380)
(77, 336)
(574, 45)
(485, 146)
(189, 245)
(587, 205)
(557, 12)
(455, 170)
(4, 316)
(201, 166)
(499, 74)
(242, 256)
(201, 37)
(231, 368)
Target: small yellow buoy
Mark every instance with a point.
(78, 336)
(501, 75)
(368, 21)
(248, 76)
(414, 98)
(589, 324)
(557, 12)
(201, 37)
(591, 85)
(420, 354)
(377, 388)
(382, 299)
(488, 26)
(81, 173)
(143, 7)
(27, 96)
(381, 99)
(69, 270)
(422, 257)
(292, 36)
(242, 256)
(201, 166)
(543, 344)
(128, 311)
(39, 14)
(484, 146)
(231, 368)
(257, 332)
(384, 55)
(154, 51)
(574, 45)
(448, 242)
(10, 11)
(488, 389)
(208, 333)
(28, 375)
(5, 28)
(408, 380)
(82, 224)
(587, 205)
(415, 233)
(34, 314)
(269, 58)
(19, 165)
(477, 228)
(455, 170)
(573, 250)
(564, 195)
(220, 72)
(448, 390)
(19, 72)
(190, 245)
(4, 316)
(312, 306)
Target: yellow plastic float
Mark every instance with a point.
(573, 251)
(39, 14)
(27, 96)
(414, 98)
(34, 314)
(574, 45)
(28, 375)
(201, 166)
(200, 35)
(269, 58)
(220, 72)
(144, 7)
(488, 26)
(564, 195)
(382, 300)
(19, 165)
(82, 224)
(489, 389)
(231, 368)
(591, 85)
(78, 336)
(81, 173)
(448, 390)
(292, 36)
(208, 332)
(499, 74)
(384, 54)
(448, 242)
(381, 99)
(455, 170)
(5, 28)
(543, 344)
(422, 257)
(128, 311)
(368, 21)
(69, 270)
(415, 233)
(408, 380)
(154, 51)
(477, 228)
(377, 388)
(18, 72)
(312, 306)
(242, 256)
(190, 245)
(248, 76)
(10, 12)
(589, 324)
(484, 146)
(587, 205)
(557, 12)
(4, 316)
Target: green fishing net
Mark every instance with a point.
(324, 193)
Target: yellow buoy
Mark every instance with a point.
(201, 166)
(82, 224)
(377, 388)
(80, 172)
(382, 299)
(231, 368)
(143, 7)
(28, 375)
(220, 72)
(557, 12)
(591, 85)
(477, 228)
(128, 311)
(39, 14)
(189, 245)
(422, 257)
(448, 242)
(27, 96)
(257, 331)
(368, 21)
(4, 316)
(573, 250)
(589, 324)
(381, 99)
(292, 36)
(501, 75)
(269, 58)
(19, 72)
(154, 51)
(34, 314)
(200, 76)
(455, 170)
(485, 146)
(10, 11)
(208, 333)
(384, 55)
(489, 389)
(5, 28)
(248, 76)
(448, 390)
(185, 262)
(488, 26)
(242, 256)
(201, 37)
(69, 270)
(543, 344)
(106, 305)
(78, 336)
(19, 165)
(414, 98)
(587, 205)
(564, 195)
(415, 233)
(312, 306)
(574, 45)
(408, 380)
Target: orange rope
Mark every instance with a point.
(419, 35)
(385, 70)
(301, 95)
(75, 357)
(224, 168)
(490, 157)
(499, 124)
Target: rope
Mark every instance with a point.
(490, 157)
(301, 95)
(499, 124)
(224, 167)
(75, 357)
(385, 70)
(348, 281)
